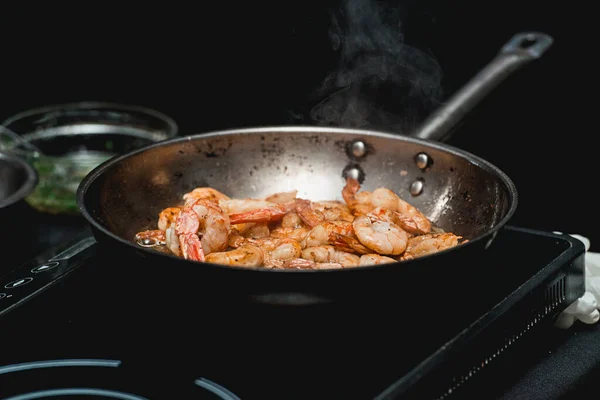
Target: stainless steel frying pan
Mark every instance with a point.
(458, 191)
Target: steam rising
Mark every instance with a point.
(380, 81)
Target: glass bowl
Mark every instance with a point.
(17, 180)
(73, 139)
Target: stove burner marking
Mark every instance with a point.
(43, 268)
(74, 392)
(7, 369)
(215, 388)
(18, 282)
(2, 295)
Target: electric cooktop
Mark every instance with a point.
(76, 322)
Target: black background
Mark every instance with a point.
(234, 64)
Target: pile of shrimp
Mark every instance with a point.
(286, 232)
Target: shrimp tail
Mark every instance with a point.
(349, 191)
(412, 225)
(187, 222)
(270, 214)
(347, 244)
(264, 215)
(307, 214)
(191, 247)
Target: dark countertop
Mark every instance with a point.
(570, 369)
(563, 365)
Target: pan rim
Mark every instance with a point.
(266, 130)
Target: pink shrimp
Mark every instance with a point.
(256, 211)
(186, 225)
(204, 193)
(408, 217)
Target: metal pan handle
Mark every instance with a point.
(517, 52)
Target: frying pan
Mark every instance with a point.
(458, 191)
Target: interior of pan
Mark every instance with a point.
(459, 192)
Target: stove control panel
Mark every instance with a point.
(40, 273)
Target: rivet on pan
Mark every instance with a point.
(422, 160)
(353, 173)
(416, 188)
(359, 149)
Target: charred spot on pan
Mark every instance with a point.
(178, 174)
(340, 144)
(181, 151)
(355, 171)
(213, 150)
(315, 139)
(451, 169)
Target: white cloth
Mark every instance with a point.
(585, 309)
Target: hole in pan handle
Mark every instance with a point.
(532, 43)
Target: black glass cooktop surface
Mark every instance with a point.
(78, 322)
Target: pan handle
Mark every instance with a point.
(517, 52)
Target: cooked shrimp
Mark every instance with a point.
(374, 259)
(329, 254)
(419, 246)
(172, 241)
(257, 231)
(333, 210)
(213, 225)
(150, 238)
(282, 197)
(185, 230)
(358, 202)
(204, 193)
(301, 263)
(291, 220)
(273, 248)
(235, 240)
(285, 232)
(244, 256)
(307, 213)
(239, 206)
(319, 235)
(240, 229)
(381, 236)
(314, 213)
(291, 227)
(349, 244)
(278, 248)
(167, 217)
(253, 210)
(251, 229)
(297, 234)
(409, 217)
